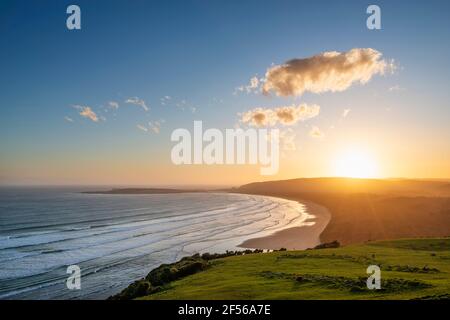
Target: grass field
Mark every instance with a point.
(411, 268)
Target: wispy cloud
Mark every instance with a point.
(396, 88)
(164, 100)
(87, 112)
(287, 140)
(315, 132)
(184, 105)
(113, 105)
(138, 102)
(329, 71)
(181, 104)
(155, 126)
(345, 113)
(252, 86)
(141, 127)
(285, 115)
(68, 119)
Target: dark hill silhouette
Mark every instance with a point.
(392, 187)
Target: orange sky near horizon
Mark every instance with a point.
(306, 162)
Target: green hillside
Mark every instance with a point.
(412, 268)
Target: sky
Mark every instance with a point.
(98, 105)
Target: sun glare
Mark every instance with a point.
(356, 164)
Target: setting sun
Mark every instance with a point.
(356, 164)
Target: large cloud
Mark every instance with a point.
(328, 71)
(285, 115)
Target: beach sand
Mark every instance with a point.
(369, 209)
(298, 238)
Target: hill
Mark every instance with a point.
(410, 269)
(370, 209)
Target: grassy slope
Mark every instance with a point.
(326, 273)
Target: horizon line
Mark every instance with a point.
(206, 185)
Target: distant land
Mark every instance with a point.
(143, 191)
(393, 187)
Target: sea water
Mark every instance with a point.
(116, 239)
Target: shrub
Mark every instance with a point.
(136, 289)
(166, 273)
(327, 245)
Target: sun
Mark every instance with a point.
(356, 164)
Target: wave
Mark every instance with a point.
(156, 229)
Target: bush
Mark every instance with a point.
(328, 245)
(136, 289)
(166, 273)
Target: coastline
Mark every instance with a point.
(291, 238)
(295, 238)
(321, 207)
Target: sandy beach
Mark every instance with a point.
(297, 238)
(369, 209)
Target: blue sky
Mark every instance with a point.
(199, 52)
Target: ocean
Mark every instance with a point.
(116, 239)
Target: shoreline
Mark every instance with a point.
(295, 238)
